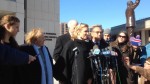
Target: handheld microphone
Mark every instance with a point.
(96, 50)
(93, 52)
(109, 52)
(76, 50)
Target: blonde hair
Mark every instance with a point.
(9, 19)
(33, 35)
(77, 29)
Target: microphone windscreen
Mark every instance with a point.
(96, 50)
(95, 47)
(110, 48)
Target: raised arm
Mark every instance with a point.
(136, 4)
(144, 72)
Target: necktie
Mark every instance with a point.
(96, 43)
(44, 62)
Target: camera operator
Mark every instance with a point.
(97, 39)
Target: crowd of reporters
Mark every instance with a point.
(25, 64)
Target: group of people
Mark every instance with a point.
(29, 63)
(32, 63)
(72, 50)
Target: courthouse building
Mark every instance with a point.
(34, 13)
(142, 29)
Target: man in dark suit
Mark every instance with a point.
(63, 39)
(60, 43)
(97, 39)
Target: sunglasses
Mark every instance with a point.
(97, 32)
(121, 36)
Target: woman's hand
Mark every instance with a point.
(126, 60)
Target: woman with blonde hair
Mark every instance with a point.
(9, 27)
(41, 70)
(75, 64)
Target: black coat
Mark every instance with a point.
(124, 73)
(12, 56)
(9, 58)
(76, 66)
(31, 73)
(60, 43)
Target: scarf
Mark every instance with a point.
(48, 65)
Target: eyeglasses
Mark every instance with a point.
(121, 36)
(106, 35)
(97, 32)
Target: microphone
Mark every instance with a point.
(96, 50)
(109, 52)
(113, 53)
(76, 50)
(93, 52)
(110, 48)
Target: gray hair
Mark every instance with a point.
(97, 25)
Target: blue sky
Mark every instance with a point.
(108, 13)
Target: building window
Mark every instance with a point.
(149, 33)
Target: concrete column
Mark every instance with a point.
(146, 36)
(143, 37)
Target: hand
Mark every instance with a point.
(89, 81)
(60, 82)
(113, 53)
(112, 76)
(126, 60)
(31, 59)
